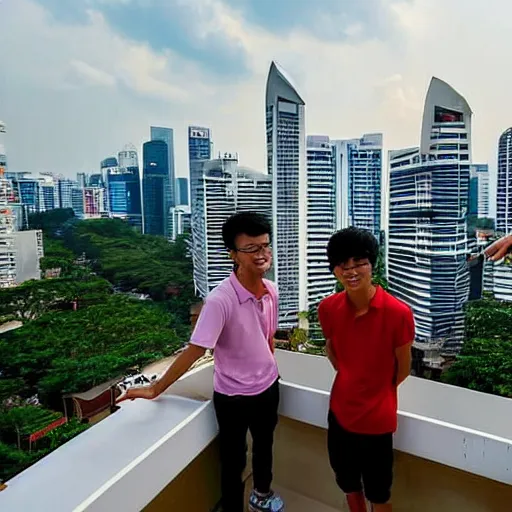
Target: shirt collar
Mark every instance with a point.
(376, 302)
(242, 293)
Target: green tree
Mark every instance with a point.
(485, 362)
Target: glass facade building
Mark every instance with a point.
(155, 188)
(167, 135)
(182, 191)
(199, 148)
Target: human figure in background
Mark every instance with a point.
(369, 335)
(238, 321)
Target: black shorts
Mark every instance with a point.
(361, 462)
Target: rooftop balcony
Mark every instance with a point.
(453, 451)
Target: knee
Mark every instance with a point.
(378, 496)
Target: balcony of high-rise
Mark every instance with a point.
(163, 454)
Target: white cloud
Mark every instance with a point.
(350, 87)
(93, 75)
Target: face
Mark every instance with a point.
(253, 253)
(354, 274)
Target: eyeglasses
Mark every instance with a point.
(358, 268)
(253, 249)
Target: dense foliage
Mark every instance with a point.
(84, 328)
(485, 363)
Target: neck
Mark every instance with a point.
(251, 282)
(361, 299)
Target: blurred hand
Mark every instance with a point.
(499, 249)
(146, 392)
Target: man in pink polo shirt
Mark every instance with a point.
(238, 321)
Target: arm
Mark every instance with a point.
(205, 336)
(403, 359)
(403, 345)
(180, 366)
(330, 354)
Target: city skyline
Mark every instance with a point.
(131, 79)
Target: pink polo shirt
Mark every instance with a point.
(239, 327)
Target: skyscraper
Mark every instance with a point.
(225, 188)
(361, 183)
(286, 161)
(503, 273)
(428, 203)
(182, 191)
(479, 190)
(64, 190)
(3, 152)
(321, 216)
(167, 135)
(155, 187)
(129, 175)
(199, 148)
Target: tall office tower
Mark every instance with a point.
(479, 190)
(155, 188)
(64, 188)
(29, 191)
(321, 216)
(199, 148)
(503, 273)
(286, 161)
(97, 181)
(182, 191)
(49, 191)
(225, 189)
(82, 179)
(428, 201)
(360, 164)
(128, 161)
(77, 202)
(180, 221)
(3, 152)
(167, 135)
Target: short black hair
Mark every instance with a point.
(244, 223)
(354, 243)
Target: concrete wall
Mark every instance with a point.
(301, 465)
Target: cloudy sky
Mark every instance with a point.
(81, 78)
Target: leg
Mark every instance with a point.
(262, 424)
(344, 457)
(377, 458)
(233, 423)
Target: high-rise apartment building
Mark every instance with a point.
(167, 135)
(360, 169)
(427, 246)
(94, 202)
(321, 216)
(286, 161)
(199, 148)
(180, 221)
(503, 273)
(225, 189)
(182, 191)
(20, 251)
(479, 190)
(155, 188)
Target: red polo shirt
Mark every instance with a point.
(364, 394)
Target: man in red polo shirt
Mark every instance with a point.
(369, 335)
